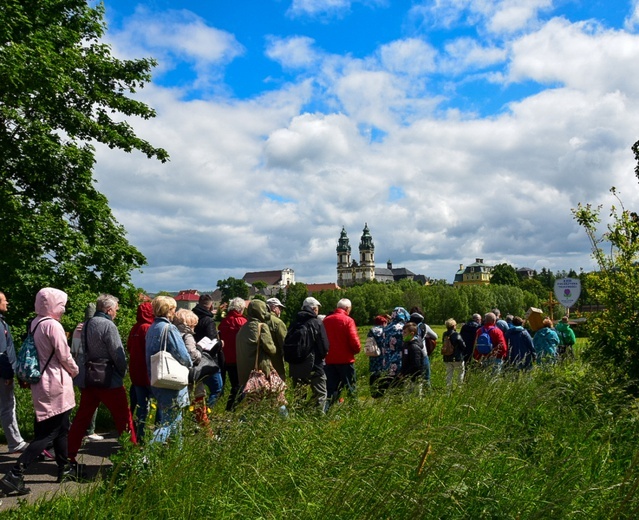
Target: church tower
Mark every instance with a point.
(344, 269)
(366, 270)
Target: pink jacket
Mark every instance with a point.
(54, 393)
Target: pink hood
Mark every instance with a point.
(50, 302)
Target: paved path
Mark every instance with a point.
(41, 476)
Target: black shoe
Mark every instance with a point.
(72, 472)
(13, 483)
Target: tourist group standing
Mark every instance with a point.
(251, 348)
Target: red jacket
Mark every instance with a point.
(343, 339)
(228, 331)
(136, 345)
(500, 350)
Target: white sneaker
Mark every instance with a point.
(20, 447)
(95, 437)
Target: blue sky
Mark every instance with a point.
(456, 129)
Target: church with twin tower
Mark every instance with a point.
(350, 272)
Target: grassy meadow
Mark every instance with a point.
(556, 442)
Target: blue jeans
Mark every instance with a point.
(141, 409)
(170, 426)
(426, 370)
(216, 385)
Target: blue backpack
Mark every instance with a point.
(484, 343)
(27, 361)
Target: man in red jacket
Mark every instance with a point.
(498, 346)
(343, 343)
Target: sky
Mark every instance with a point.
(455, 129)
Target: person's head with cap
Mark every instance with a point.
(275, 306)
(311, 304)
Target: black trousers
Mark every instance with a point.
(52, 430)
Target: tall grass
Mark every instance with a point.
(553, 443)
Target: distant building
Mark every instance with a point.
(318, 287)
(525, 272)
(274, 280)
(477, 273)
(187, 299)
(391, 274)
(350, 272)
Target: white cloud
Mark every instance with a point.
(579, 55)
(177, 36)
(314, 7)
(267, 183)
(465, 54)
(292, 52)
(632, 20)
(413, 57)
(493, 16)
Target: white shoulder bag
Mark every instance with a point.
(166, 371)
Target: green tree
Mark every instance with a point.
(546, 278)
(535, 287)
(614, 342)
(233, 288)
(504, 274)
(61, 91)
(509, 300)
(260, 286)
(295, 295)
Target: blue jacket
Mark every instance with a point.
(175, 346)
(521, 351)
(546, 342)
(6, 346)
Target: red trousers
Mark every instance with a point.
(115, 400)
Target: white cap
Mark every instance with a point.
(275, 302)
(311, 302)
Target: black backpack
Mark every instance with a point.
(298, 343)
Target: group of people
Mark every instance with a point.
(399, 347)
(53, 395)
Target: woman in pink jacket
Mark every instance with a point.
(53, 396)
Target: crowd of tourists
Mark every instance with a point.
(247, 354)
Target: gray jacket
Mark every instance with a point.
(101, 340)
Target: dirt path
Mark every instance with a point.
(41, 476)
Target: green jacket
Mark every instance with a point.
(565, 333)
(247, 341)
(278, 333)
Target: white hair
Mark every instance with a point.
(344, 303)
(237, 304)
(106, 302)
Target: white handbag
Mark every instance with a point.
(166, 371)
(370, 348)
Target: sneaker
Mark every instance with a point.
(19, 448)
(13, 483)
(72, 472)
(95, 437)
(46, 455)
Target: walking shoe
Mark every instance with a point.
(13, 483)
(73, 472)
(45, 455)
(19, 448)
(95, 437)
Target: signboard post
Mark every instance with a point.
(567, 291)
